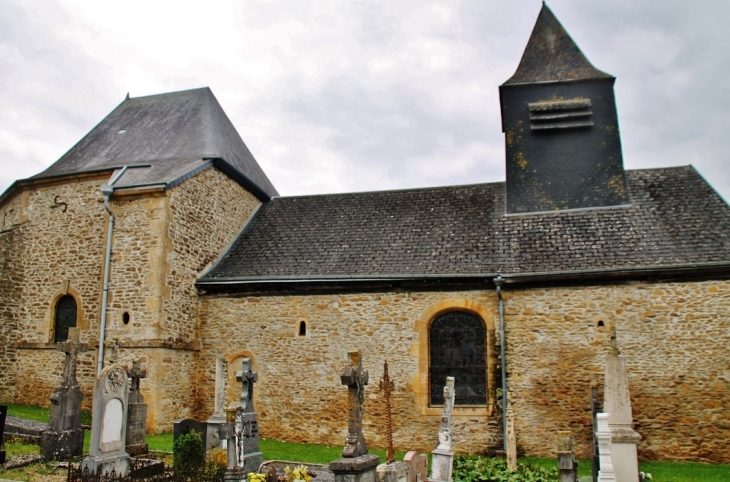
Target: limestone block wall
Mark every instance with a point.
(53, 247)
(162, 241)
(675, 337)
(299, 396)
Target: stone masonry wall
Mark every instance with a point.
(162, 241)
(54, 247)
(299, 396)
(674, 336)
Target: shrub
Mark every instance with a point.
(188, 454)
(482, 469)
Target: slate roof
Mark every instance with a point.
(552, 56)
(675, 218)
(168, 136)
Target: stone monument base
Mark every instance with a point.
(105, 465)
(395, 472)
(234, 475)
(442, 463)
(62, 445)
(356, 469)
(137, 449)
(252, 462)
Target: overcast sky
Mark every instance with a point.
(355, 95)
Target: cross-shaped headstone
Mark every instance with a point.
(247, 377)
(387, 386)
(72, 347)
(135, 374)
(355, 378)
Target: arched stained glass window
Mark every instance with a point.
(457, 347)
(65, 318)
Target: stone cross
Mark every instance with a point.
(247, 377)
(66, 400)
(445, 427)
(135, 374)
(355, 378)
(387, 386)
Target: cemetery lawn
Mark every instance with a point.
(40, 414)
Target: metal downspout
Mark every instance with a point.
(107, 190)
(498, 282)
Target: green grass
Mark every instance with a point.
(686, 471)
(40, 414)
(160, 442)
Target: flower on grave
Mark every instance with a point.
(254, 477)
(299, 473)
(644, 476)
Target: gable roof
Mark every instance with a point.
(675, 219)
(168, 136)
(552, 56)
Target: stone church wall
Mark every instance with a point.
(674, 337)
(54, 247)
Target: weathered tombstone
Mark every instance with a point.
(246, 426)
(3, 414)
(187, 425)
(617, 403)
(218, 418)
(511, 439)
(108, 424)
(417, 466)
(356, 465)
(567, 465)
(228, 433)
(391, 471)
(65, 437)
(137, 412)
(606, 474)
(442, 460)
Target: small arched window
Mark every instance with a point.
(65, 318)
(457, 347)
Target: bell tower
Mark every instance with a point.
(561, 127)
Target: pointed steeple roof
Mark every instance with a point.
(174, 135)
(552, 56)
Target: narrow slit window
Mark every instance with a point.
(302, 328)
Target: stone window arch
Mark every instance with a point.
(457, 347)
(65, 316)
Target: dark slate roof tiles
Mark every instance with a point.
(675, 218)
(173, 132)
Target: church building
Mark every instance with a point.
(159, 234)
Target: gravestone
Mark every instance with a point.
(617, 403)
(187, 425)
(356, 465)
(391, 471)
(442, 458)
(109, 424)
(603, 435)
(64, 437)
(567, 465)
(417, 466)
(246, 426)
(3, 414)
(137, 412)
(215, 422)
(511, 439)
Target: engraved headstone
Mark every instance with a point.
(417, 466)
(442, 460)
(356, 465)
(137, 412)
(108, 424)
(65, 437)
(620, 421)
(567, 464)
(246, 426)
(187, 425)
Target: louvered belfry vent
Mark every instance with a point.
(566, 114)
